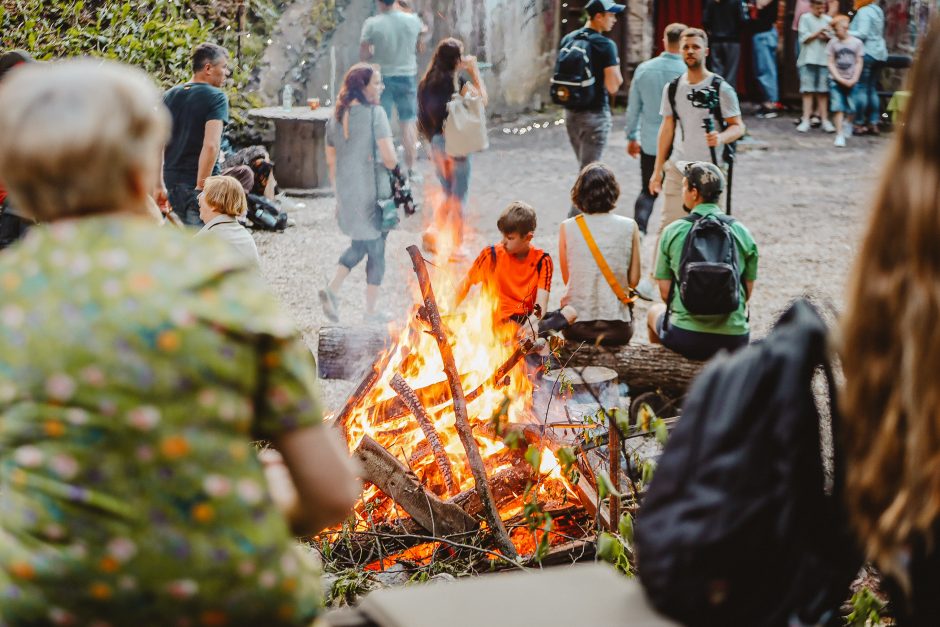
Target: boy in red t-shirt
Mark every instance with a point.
(519, 273)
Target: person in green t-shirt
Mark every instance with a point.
(700, 336)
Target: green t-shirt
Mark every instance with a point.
(138, 366)
(191, 105)
(394, 39)
(667, 267)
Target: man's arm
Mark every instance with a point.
(365, 51)
(732, 133)
(211, 144)
(634, 109)
(613, 79)
(749, 289)
(664, 286)
(159, 191)
(667, 131)
(365, 41)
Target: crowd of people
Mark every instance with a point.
(140, 363)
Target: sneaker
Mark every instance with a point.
(814, 121)
(839, 142)
(378, 317)
(803, 126)
(847, 130)
(329, 304)
(645, 289)
(770, 114)
(828, 127)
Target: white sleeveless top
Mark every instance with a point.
(587, 290)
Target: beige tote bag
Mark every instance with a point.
(465, 125)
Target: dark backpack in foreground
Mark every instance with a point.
(737, 527)
(709, 280)
(574, 85)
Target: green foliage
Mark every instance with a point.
(612, 549)
(866, 609)
(158, 36)
(533, 455)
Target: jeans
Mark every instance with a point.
(587, 132)
(865, 95)
(375, 266)
(726, 57)
(643, 207)
(765, 64)
(452, 172)
(184, 200)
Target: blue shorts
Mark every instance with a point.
(696, 345)
(402, 92)
(814, 79)
(840, 97)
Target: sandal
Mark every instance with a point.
(859, 129)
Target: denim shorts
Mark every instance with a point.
(402, 92)
(814, 79)
(840, 97)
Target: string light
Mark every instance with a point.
(522, 130)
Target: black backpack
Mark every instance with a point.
(729, 150)
(709, 278)
(737, 527)
(574, 85)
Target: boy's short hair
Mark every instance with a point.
(695, 32)
(226, 195)
(840, 19)
(518, 218)
(596, 190)
(673, 32)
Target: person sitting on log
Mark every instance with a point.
(706, 269)
(599, 256)
(518, 273)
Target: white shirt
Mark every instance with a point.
(688, 141)
(227, 228)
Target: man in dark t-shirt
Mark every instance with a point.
(765, 39)
(200, 111)
(588, 128)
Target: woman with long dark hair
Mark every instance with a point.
(891, 357)
(359, 154)
(439, 84)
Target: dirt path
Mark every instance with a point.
(804, 201)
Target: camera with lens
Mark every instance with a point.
(706, 98)
(264, 214)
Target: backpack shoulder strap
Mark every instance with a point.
(671, 93)
(601, 262)
(493, 257)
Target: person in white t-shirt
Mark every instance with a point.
(814, 33)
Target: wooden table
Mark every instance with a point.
(299, 142)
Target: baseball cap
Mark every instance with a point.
(706, 177)
(603, 6)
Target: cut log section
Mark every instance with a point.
(347, 352)
(389, 475)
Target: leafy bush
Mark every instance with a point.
(156, 36)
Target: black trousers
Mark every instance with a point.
(643, 207)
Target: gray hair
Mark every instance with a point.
(207, 53)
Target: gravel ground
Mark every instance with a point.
(804, 201)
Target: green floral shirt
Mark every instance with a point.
(137, 364)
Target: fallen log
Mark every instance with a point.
(461, 420)
(389, 475)
(641, 366)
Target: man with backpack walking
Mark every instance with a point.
(587, 75)
(701, 122)
(706, 269)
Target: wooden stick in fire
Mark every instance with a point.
(461, 422)
(410, 399)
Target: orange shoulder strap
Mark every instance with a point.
(601, 262)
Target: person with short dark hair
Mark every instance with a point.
(589, 127)
(391, 40)
(643, 117)
(700, 336)
(596, 312)
(200, 112)
(519, 274)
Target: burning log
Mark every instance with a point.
(462, 422)
(409, 398)
(641, 366)
(383, 469)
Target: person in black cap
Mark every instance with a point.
(687, 322)
(13, 225)
(589, 127)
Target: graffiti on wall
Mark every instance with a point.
(906, 23)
